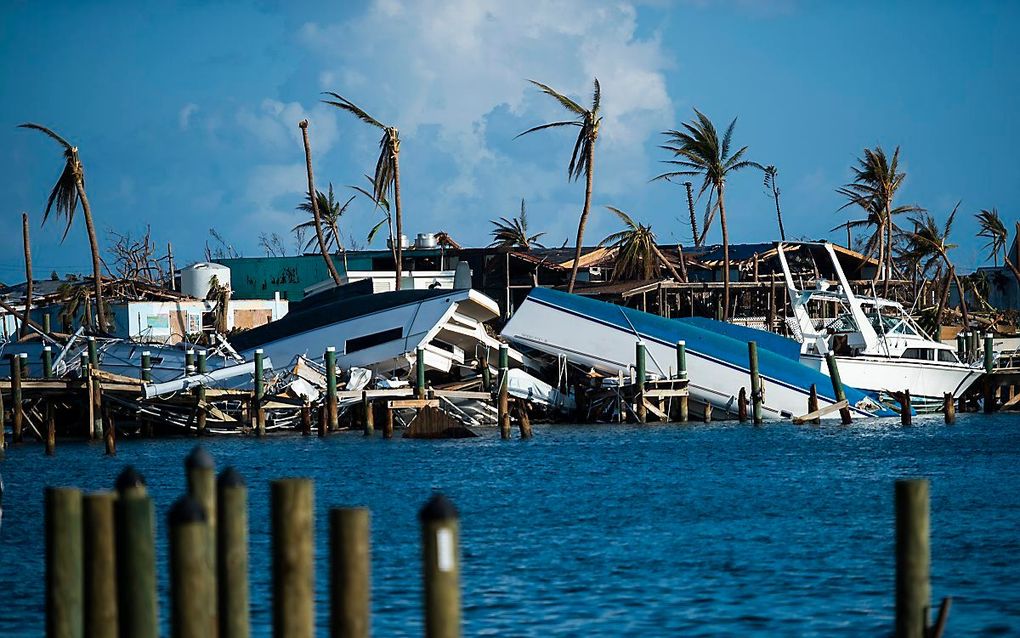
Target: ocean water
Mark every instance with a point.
(696, 530)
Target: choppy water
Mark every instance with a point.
(721, 530)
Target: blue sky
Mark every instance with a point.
(186, 114)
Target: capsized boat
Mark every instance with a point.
(600, 335)
(878, 347)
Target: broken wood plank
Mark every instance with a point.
(462, 394)
(835, 407)
(412, 403)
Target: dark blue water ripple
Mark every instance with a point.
(720, 530)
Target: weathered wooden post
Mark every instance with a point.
(350, 569)
(146, 366)
(812, 404)
(961, 345)
(232, 555)
(387, 432)
(3, 426)
(837, 385)
(65, 614)
(486, 373)
(419, 373)
(742, 405)
(306, 419)
(200, 470)
(200, 409)
(46, 323)
(93, 351)
(708, 413)
(47, 361)
(973, 337)
(329, 358)
(100, 571)
(503, 411)
(756, 393)
(17, 408)
(913, 587)
(136, 558)
(640, 373)
(949, 407)
(523, 420)
(51, 430)
(259, 414)
(441, 550)
(23, 358)
(681, 373)
(95, 390)
(291, 507)
(366, 406)
(191, 579)
(989, 367)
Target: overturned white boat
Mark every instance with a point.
(878, 347)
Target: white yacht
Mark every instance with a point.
(878, 347)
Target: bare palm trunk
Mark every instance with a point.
(963, 294)
(694, 218)
(584, 215)
(779, 213)
(943, 298)
(399, 239)
(669, 266)
(28, 274)
(725, 253)
(97, 276)
(313, 196)
(889, 250)
(879, 272)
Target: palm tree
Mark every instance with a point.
(387, 171)
(700, 152)
(994, 230)
(689, 187)
(330, 212)
(513, 232)
(771, 172)
(929, 244)
(582, 160)
(316, 217)
(383, 206)
(637, 254)
(66, 193)
(28, 274)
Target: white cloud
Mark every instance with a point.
(274, 125)
(184, 115)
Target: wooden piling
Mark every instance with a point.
(989, 383)
(640, 373)
(23, 358)
(756, 389)
(949, 407)
(708, 413)
(51, 430)
(681, 373)
(260, 390)
(742, 405)
(837, 386)
(191, 576)
(137, 610)
(46, 323)
(322, 420)
(200, 470)
(523, 420)
(329, 358)
(3, 426)
(441, 549)
(100, 569)
(366, 406)
(419, 372)
(306, 419)
(503, 411)
(17, 407)
(905, 409)
(200, 408)
(913, 587)
(291, 508)
(65, 614)
(47, 361)
(387, 432)
(146, 366)
(812, 404)
(232, 555)
(109, 431)
(961, 345)
(350, 572)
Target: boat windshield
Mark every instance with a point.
(884, 324)
(843, 324)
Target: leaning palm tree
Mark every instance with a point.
(582, 160)
(28, 275)
(637, 254)
(513, 232)
(316, 217)
(387, 171)
(994, 230)
(771, 173)
(383, 206)
(699, 152)
(929, 244)
(66, 193)
(330, 212)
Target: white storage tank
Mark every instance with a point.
(425, 240)
(197, 278)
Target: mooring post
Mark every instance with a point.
(949, 407)
(486, 373)
(200, 469)
(441, 550)
(191, 577)
(136, 558)
(47, 361)
(306, 419)
(329, 358)
(51, 430)
(961, 345)
(93, 351)
(523, 420)
(95, 390)
(350, 572)
(812, 404)
(291, 508)
(990, 403)
(366, 406)
(708, 412)
(322, 420)
(46, 323)
(109, 431)
(904, 401)
(23, 358)
(3, 426)
(17, 409)
(503, 411)
(419, 373)
(65, 614)
(756, 392)
(88, 404)
(387, 431)
(146, 366)
(681, 373)
(232, 555)
(640, 373)
(913, 587)
(260, 390)
(189, 361)
(100, 571)
(837, 385)
(974, 336)
(200, 416)
(742, 405)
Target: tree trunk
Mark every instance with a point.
(398, 240)
(97, 276)
(330, 266)
(726, 252)
(28, 274)
(584, 215)
(879, 272)
(669, 266)
(940, 308)
(888, 251)
(779, 213)
(963, 294)
(694, 218)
